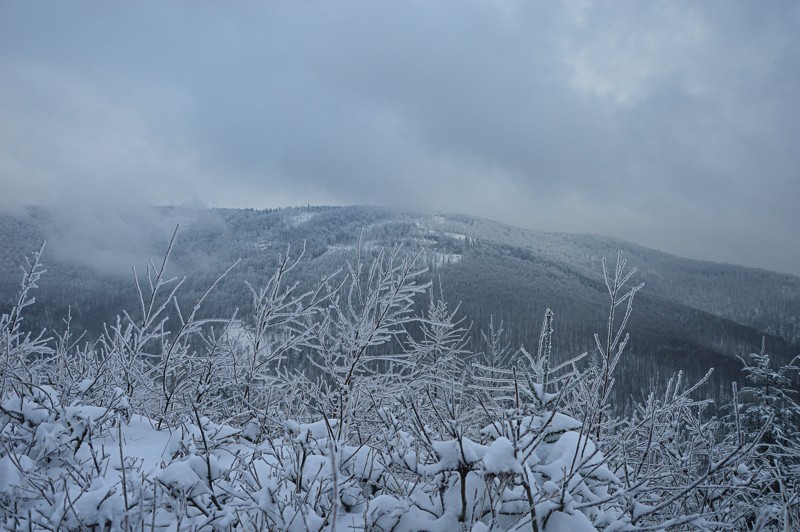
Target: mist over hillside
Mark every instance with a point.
(691, 315)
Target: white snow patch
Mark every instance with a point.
(499, 458)
(301, 218)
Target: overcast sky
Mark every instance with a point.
(672, 124)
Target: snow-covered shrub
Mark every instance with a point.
(765, 414)
(53, 457)
(169, 421)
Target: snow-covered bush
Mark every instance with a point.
(765, 415)
(170, 421)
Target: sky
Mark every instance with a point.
(672, 124)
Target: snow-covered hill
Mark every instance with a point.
(691, 313)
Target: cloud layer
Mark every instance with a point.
(673, 124)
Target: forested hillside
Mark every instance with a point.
(691, 315)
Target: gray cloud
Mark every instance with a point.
(670, 123)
